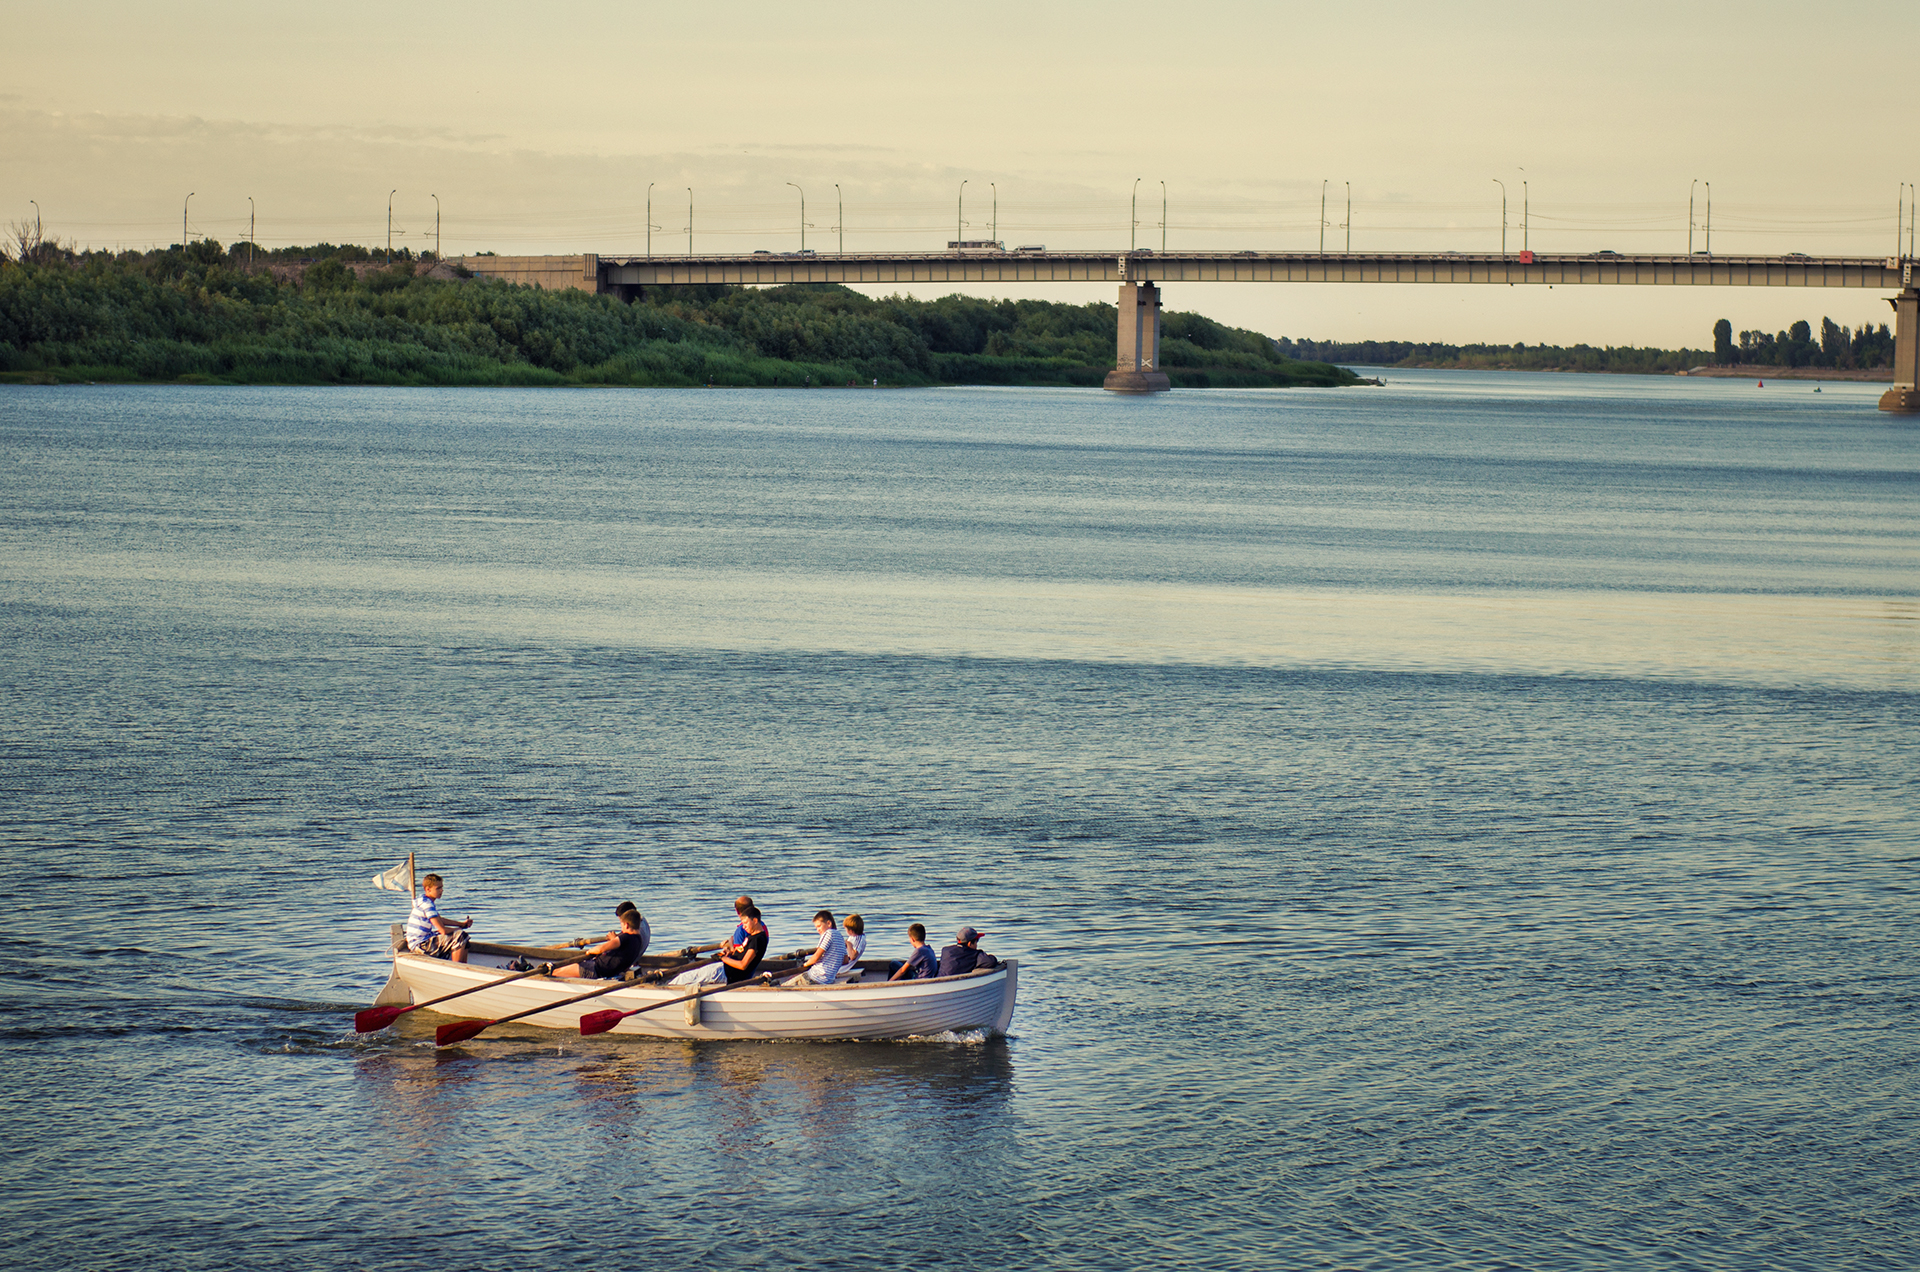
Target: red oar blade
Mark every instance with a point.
(595, 1022)
(377, 1018)
(458, 1031)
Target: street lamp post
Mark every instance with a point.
(390, 195)
(36, 223)
(1526, 217)
(1709, 186)
(436, 227)
(1323, 218)
(249, 231)
(840, 217)
(183, 220)
(960, 218)
(1503, 214)
(1133, 217)
(1349, 216)
(689, 220)
(649, 218)
(993, 226)
(803, 216)
(1163, 217)
(1690, 190)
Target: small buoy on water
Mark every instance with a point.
(1761, 385)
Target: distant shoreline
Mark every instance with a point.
(1742, 371)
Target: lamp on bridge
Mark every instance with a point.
(803, 216)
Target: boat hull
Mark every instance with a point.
(886, 1009)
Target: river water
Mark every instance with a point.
(1464, 823)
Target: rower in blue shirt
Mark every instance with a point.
(920, 964)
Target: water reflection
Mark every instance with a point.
(893, 1102)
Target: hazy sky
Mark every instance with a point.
(541, 127)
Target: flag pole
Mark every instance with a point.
(410, 888)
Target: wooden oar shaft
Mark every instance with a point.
(705, 991)
(389, 1016)
(474, 989)
(564, 1002)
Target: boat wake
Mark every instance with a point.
(974, 1036)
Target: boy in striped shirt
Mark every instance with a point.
(428, 933)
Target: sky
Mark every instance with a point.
(541, 128)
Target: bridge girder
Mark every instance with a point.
(1138, 273)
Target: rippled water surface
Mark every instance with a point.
(1464, 823)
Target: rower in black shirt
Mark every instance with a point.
(742, 959)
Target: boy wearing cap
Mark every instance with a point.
(965, 954)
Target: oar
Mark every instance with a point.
(373, 1018)
(461, 1030)
(666, 974)
(597, 1022)
(662, 977)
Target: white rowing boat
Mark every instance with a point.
(869, 1007)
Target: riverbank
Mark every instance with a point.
(1837, 354)
(1757, 371)
(207, 316)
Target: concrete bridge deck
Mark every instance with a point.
(1139, 274)
(609, 273)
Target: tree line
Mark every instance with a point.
(1496, 357)
(1837, 346)
(331, 314)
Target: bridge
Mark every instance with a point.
(1140, 273)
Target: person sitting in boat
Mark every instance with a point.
(742, 906)
(738, 959)
(646, 929)
(920, 964)
(965, 954)
(615, 955)
(829, 956)
(855, 928)
(430, 934)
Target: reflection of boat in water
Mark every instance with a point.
(868, 1006)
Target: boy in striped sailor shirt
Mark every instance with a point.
(430, 934)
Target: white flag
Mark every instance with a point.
(394, 880)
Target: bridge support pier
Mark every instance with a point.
(1904, 396)
(1137, 369)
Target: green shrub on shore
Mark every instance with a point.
(200, 315)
